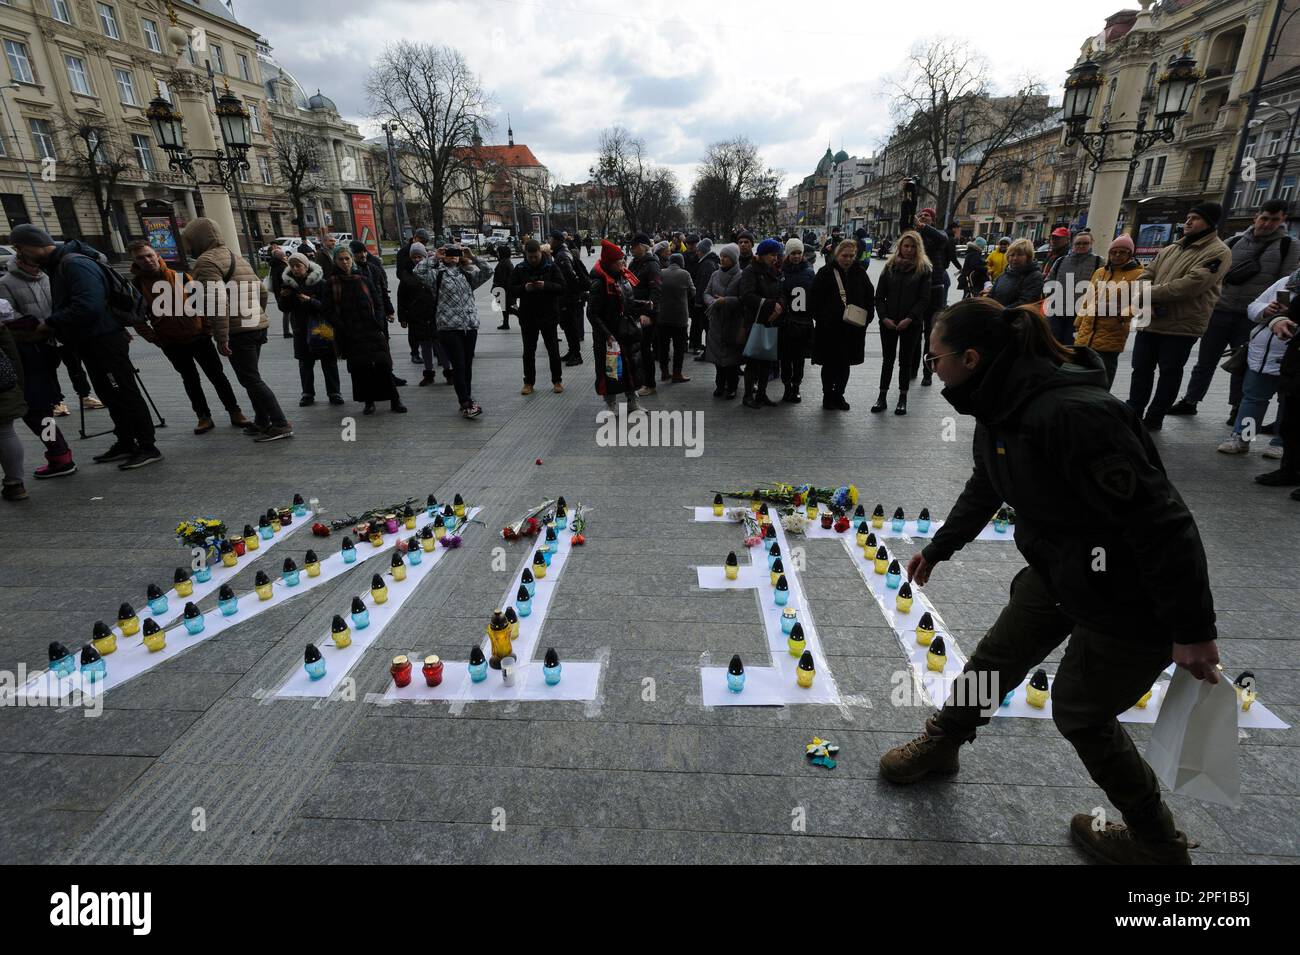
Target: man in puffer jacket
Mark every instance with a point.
(1185, 281)
(235, 315)
(453, 277)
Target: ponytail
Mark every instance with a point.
(989, 328)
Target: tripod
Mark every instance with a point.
(161, 423)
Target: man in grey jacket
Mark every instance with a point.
(1261, 255)
(1079, 262)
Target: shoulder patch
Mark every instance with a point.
(1212, 265)
(1116, 476)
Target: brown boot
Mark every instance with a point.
(204, 426)
(933, 753)
(239, 420)
(1115, 844)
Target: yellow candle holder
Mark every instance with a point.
(427, 544)
(105, 645)
(439, 532)
(935, 661)
(275, 525)
(805, 672)
(263, 591)
(185, 588)
(252, 542)
(313, 568)
(796, 647)
(376, 539)
(458, 509)
(1035, 697)
(881, 564)
(717, 510)
(862, 538)
(342, 637)
(904, 604)
(776, 575)
(1142, 703)
(155, 641)
(811, 511)
(410, 523)
(877, 521)
(498, 632)
(399, 572)
(129, 626)
(380, 594)
(732, 571)
(229, 559)
(539, 569)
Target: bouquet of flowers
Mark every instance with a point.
(797, 495)
(578, 524)
(745, 516)
(531, 523)
(795, 522)
(368, 517)
(196, 531)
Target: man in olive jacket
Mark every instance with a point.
(1184, 284)
(234, 311)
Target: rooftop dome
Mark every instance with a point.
(321, 102)
(841, 156)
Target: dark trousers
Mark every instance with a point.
(1169, 353)
(459, 345)
(674, 336)
(699, 325)
(72, 361)
(792, 345)
(1109, 361)
(727, 377)
(903, 345)
(1226, 330)
(835, 378)
(571, 321)
(412, 341)
(757, 375)
(329, 367)
(36, 420)
(548, 329)
(187, 359)
(1288, 429)
(938, 301)
(1100, 676)
(245, 350)
(648, 334)
(108, 364)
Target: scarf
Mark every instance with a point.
(611, 281)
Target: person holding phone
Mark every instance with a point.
(1272, 367)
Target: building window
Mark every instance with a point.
(77, 75)
(1261, 191)
(151, 39)
(42, 138)
(1274, 143)
(1287, 190)
(59, 10)
(253, 119)
(20, 64)
(1160, 171)
(265, 167)
(970, 206)
(143, 153)
(189, 52)
(4, 150)
(1207, 165)
(218, 59)
(1251, 143)
(108, 20)
(164, 90)
(15, 209)
(96, 147)
(244, 71)
(126, 86)
(243, 174)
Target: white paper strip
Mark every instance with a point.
(772, 683)
(339, 662)
(578, 680)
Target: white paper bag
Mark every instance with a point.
(1193, 747)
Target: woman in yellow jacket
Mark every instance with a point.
(1105, 311)
(996, 262)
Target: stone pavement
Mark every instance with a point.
(625, 779)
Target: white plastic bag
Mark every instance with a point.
(1193, 748)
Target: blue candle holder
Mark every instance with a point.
(524, 607)
(478, 671)
(300, 510)
(547, 555)
(561, 521)
(64, 666)
(735, 682)
(532, 587)
(772, 559)
(781, 597)
(923, 525)
(265, 532)
(788, 620)
(1006, 700)
(203, 574)
(228, 607)
(361, 619)
(315, 669)
(415, 556)
(349, 555)
(291, 577)
(1000, 525)
(552, 674)
(194, 625)
(897, 524)
(893, 580)
(449, 521)
(158, 605)
(94, 672)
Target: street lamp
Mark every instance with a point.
(1173, 97)
(234, 122)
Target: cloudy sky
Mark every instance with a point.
(791, 76)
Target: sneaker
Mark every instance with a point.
(276, 432)
(1183, 407)
(1279, 478)
(253, 430)
(16, 491)
(61, 410)
(428, 379)
(336, 399)
(527, 389)
(1114, 844)
(399, 382)
(61, 465)
(140, 459)
(472, 410)
(118, 452)
(933, 753)
(558, 387)
(679, 378)
(645, 391)
(1234, 445)
(572, 360)
(91, 403)
(1273, 452)
(204, 426)
(397, 407)
(306, 401)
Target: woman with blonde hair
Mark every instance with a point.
(902, 296)
(1022, 281)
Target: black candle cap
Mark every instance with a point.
(898, 513)
(476, 655)
(358, 605)
(248, 530)
(224, 592)
(153, 592)
(1038, 681)
(57, 651)
(552, 659)
(289, 566)
(311, 558)
(806, 661)
(100, 630)
(926, 622)
(522, 594)
(180, 576)
(735, 667)
(526, 576)
(192, 611)
(376, 582)
(796, 632)
(396, 561)
(125, 612)
(260, 579)
(338, 625)
(297, 499)
(937, 647)
(89, 655)
(150, 626)
(311, 654)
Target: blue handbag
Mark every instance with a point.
(762, 342)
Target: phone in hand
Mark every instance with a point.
(1284, 296)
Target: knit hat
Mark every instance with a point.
(769, 247)
(30, 235)
(691, 238)
(640, 239)
(659, 247)
(1210, 211)
(1005, 238)
(792, 246)
(731, 250)
(745, 234)
(705, 247)
(418, 248)
(557, 238)
(422, 235)
(677, 259)
(609, 253)
(342, 250)
(1123, 242)
(980, 242)
(299, 257)
(356, 245)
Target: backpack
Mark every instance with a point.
(124, 301)
(1243, 273)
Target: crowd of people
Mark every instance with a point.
(757, 310)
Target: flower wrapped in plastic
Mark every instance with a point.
(197, 531)
(530, 525)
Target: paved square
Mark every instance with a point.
(645, 772)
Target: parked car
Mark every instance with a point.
(7, 252)
(289, 243)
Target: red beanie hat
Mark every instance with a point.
(930, 210)
(609, 252)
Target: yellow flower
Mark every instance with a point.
(853, 494)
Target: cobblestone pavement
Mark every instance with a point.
(662, 780)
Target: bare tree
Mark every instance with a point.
(99, 163)
(603, 197)
(622, 162)
(483, 176)
(297, 158)
(438, 104)
(660, 206)
(733, 185)
(947, 114)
